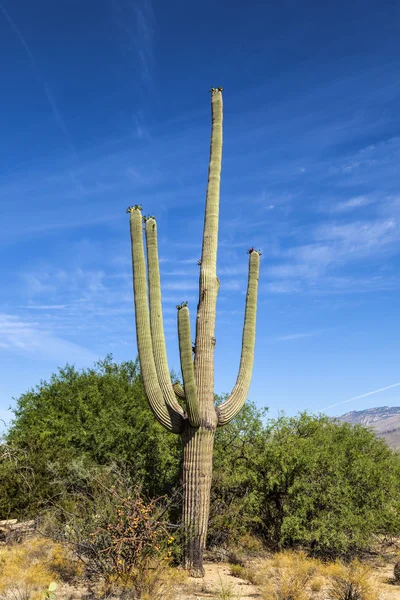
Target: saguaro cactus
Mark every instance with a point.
(198, 422)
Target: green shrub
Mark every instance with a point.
(326, 486)
(302, 481)
(78, 419)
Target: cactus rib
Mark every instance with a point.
(179, 391)
(168, 417)
(209, 285)
(185, 351)
(230, 408)
(199, 425)
(156, 317)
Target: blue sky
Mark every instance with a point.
(106, 104)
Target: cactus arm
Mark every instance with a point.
(185, 351)
(169, 418)
(156, 318)
(230, 408)
(179, 391)
(209, 285)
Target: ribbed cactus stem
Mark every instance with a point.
(185, 351)
(179, 391)
(156, 317)
(209, 285)
(169, 418)
(199, 425)
(231, 407)
(197, 475)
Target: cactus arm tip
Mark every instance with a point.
(135, 207)
(179, 391)
(231, 407)
(169, 418)
(156, 317)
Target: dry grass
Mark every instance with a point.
(27, 569)
(247, 574)
(158, 583)
(292, 576)
(295, 576)
(355, 581)
(286, 577)
(225, 591)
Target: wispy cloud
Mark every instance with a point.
(29, 338)
(351, 204)
(46, 87)
(136, 24)
(338, 245)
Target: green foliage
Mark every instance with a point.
(234, 491)
(49, 594)
(326, 486)
(302, 481)
(97, 416)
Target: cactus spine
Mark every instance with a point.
(198, 423)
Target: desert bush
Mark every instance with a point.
(285, 585)
(290, 576)
(98, 416)
(326, 486)
(28, 568)
(117, 534)
(234, 511)
(246, 573)
(300, 482)
(355, 581)
(157, 583)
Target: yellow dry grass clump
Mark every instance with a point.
(355, 581)
(295, 576)
(291, 576)
(157, 582)
(27, 569)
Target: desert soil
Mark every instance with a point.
(218, 579)
(219, 584)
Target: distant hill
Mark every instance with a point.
(384, 420)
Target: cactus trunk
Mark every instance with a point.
(198, 445)
(198, 423)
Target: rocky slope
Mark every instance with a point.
(384, 420)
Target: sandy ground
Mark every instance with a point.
(219, 584)
(388, 590)
(218, 580)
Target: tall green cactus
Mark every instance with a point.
(198, 423)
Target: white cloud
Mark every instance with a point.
(352, 203)
(359, 234)
(31, 338)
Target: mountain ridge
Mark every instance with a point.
(384, 420)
